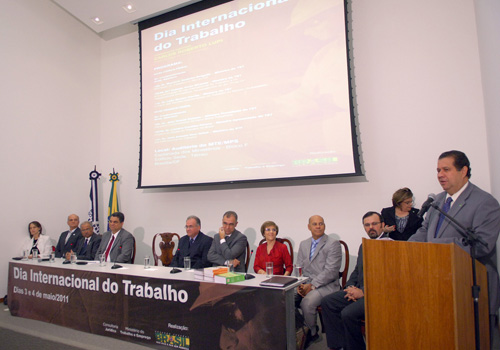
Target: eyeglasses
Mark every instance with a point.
(270, 229)
(371, 224)
(190, 226)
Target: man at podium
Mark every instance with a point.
(470, 206)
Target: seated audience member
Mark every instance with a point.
(272, 251)
(88, 245)
(41, 243)
(320, 258)
(401, 220)
(194, 245)
(344, 310)
(117, 244)
(69, 239)
(229, 245)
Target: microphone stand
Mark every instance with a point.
(247, 275)
(472, 239)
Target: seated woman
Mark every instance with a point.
(37, 241)
(273, 251)
(401, 220)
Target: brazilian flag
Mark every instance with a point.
(113, 196)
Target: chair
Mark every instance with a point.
(345, 271)
(342, 278)
(166, 246)
(133, 253)
(284, 241)
(247, 259)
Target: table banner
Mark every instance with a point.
(156, 312)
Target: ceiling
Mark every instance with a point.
(112, 12)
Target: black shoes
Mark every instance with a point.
(311, 339)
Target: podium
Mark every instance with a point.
(419, 296)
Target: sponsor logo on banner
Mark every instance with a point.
(174, 340)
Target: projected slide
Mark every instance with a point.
(247, 90)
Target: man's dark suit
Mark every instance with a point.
(341, 317)
(475, 209)
(89, 251)
(234, 248)
(62, 248)
(198, 251)
(414, 222)
(122, 249)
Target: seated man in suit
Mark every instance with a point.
(117, 244)
(229, 245)
(88, 245)
(194, 245)
(473, 208)
(320, 258)
(69, 239)
(343, 310)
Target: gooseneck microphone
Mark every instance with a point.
(426, 205)
(247, 275)
(115, 265)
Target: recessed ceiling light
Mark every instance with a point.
(129, 8)
(97, 20)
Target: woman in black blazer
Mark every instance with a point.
(401, 220)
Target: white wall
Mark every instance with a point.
(418, 91)
(50, 98)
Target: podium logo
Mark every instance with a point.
(174, 340)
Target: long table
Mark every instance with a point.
(152, 306)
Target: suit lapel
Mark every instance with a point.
(318, 247)
(455, 209)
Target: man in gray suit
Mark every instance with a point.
(320, 258)
(229, 245)
(117, 244)
(470, 206)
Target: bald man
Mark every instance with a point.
(320, 258)
(69, 239)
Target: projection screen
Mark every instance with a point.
(246, 91)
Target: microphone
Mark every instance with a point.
(426, 205)
(176, 270)
(247, 275)
(115, 265)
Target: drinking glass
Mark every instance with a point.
(146, 262)
(102, 259)
(269, 269)
(187, 263)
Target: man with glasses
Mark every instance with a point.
(229, 245)
(194, 245)
(320, 257)
(343, 311)
(88, 245)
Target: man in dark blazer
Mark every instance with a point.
(69, 239)
(229, 245)
(117, 244)
(470, 206)
(343, 311)
(88, 245)
(320, 257)
(194, 245)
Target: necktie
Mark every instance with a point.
(191, 242)
(446, 208)
(109, 246)
(84, 249)
(313, 249)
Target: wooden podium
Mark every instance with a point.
(419, 296)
